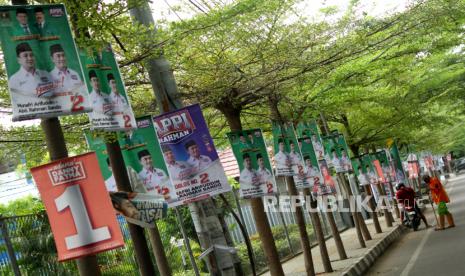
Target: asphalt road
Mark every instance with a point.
(429, 252)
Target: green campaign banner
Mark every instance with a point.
(312, 175)
(310, 129)
(397, 162)
(143, 159)
(45, 77)
(256, 177)
(360, 171)
(337, 152)
(108, 98)
(369, 169)
(370, 173)
(287, 156)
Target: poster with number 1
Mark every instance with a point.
(79, 209)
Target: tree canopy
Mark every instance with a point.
(398, 75)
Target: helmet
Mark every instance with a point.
(399, 185)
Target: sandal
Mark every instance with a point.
(450, 226)
(438, 229)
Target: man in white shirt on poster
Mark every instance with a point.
(29, 81)
(196, 160)
(64, 78)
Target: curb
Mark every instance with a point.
(363, 263)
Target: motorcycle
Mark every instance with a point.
(411, 219)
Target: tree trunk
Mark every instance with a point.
(320, 237)
(300, 220)
(263, 226)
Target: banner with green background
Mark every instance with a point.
(256, 174)
(45, 77)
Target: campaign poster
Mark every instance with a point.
(287, 156)
(79, 209)
(384, 173)
(312, 175)
(107, 94)
(45, 77)
(361, 172)
(413, 169)
(138, 208)
(378, 159)
(328, 185)
(397, 162)
(371, 173)
(149, 198)
(194, 167)
(337, 152)
(142, 156)
(256, 177)
(310, 129)
(97, 145)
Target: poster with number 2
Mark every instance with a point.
(79, 209)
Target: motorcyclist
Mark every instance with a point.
(406, 197)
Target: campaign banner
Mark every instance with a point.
(108, 98)
(337, 152)
(142, 156)
(287, 156)
(79, 209)
(413, 170)
(310, 129)
(256, 177)
(45, 77)
(312, 175)
(370, 172)
(385, 173)
(194, 167)
(140, 209)
(327, 186)
(361, 172)
(397, 162)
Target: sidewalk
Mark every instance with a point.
(355, 254)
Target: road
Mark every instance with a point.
(429, 252)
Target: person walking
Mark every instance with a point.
(440, 197)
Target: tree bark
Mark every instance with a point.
(320, 237)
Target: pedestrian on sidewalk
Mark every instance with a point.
(440, 197)
(406, 198)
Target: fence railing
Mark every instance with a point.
(34, 248)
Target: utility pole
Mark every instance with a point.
(204, 213)
(56, 146)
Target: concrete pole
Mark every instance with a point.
(203, 212)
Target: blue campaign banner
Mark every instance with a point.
(193, 164)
